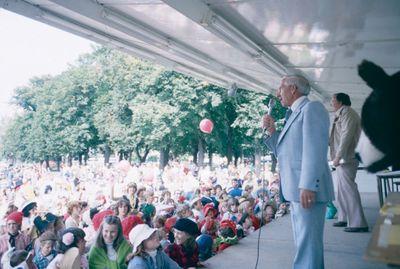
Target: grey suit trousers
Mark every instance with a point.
(308, 230)
(348, 198)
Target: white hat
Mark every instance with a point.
(194, 200)
(25, 204)
(138, 234)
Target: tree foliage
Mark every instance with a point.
(111, 101)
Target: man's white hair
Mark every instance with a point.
(299, 81)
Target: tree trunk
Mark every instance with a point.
(195, 151)
(47, 163)
(86, 157)
(210, 156)
(12, 160)
(141, 158)
(69, 160)
(257, 157)
(58, 162)
(229, 146)
(164, 153)
(107, 154)
(201, 152)
(130, 156)
(236, 160)
(80, 158)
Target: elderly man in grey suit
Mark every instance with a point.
(302, 148)
(346, 129)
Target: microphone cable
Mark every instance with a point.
(261, 223)
(271, 106)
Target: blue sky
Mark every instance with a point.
(29, 48)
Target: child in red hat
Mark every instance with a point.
(209, 224)
(227, 235)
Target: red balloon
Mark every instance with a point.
(206, 126)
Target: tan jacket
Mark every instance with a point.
(345, 133)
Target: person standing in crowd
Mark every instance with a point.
(111, 248)
(344, 137)
(13, 238)
(301, 149)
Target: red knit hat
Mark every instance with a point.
(15, 216)
(169, 223)
(128, 223)
(98, 218)
(207, 208)
(227, 223)
(181, 199)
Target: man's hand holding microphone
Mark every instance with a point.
(268, 123)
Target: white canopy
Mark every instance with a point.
(250, 43)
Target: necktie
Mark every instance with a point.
(12, 239)
(287, 115)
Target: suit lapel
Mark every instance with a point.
(292, 118)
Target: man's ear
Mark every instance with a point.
(293, 89)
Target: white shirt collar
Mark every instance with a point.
(297, 102)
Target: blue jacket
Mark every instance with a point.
(162, 260)
(302, 151)
(41, 261)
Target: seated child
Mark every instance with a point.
(282, 208)
(46, 253)
(247, 224)
(205, 244)
(269, 212)
(247, 206)
(227, 235)
(233, 211)
(20, 259)
(146, 249)
(184, 250)
(222, 208)
(209, 223)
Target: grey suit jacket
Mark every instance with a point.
(345, 134)
(301, 149)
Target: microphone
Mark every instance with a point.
(232, 90)
(271, 105)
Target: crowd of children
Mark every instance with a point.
(165, 224)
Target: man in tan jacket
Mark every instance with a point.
(344, 136)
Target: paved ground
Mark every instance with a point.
(342, 250)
